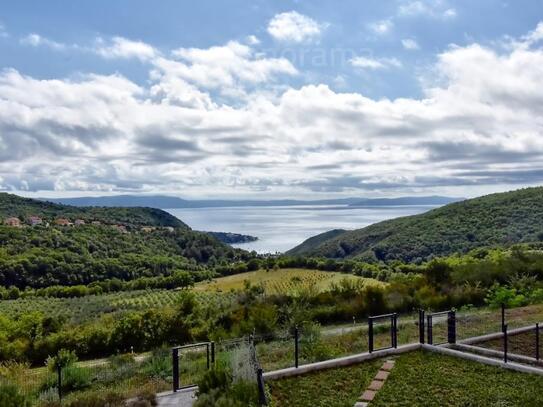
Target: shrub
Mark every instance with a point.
(98, 400)
(216, 378)
(10, 397)
(498, 295)
(159, 365)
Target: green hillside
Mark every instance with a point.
(494, 220)
(23, 208)
(315, 241)
(126, 243)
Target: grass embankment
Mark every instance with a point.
(418, 379)
(283, 281)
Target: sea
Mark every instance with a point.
(280, 228)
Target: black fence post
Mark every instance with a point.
(451, 326)
(394, 323)
(503, 316)
(175, 365)
(261, 392)
(213, 353)
(505, 343)
(208, 355)
(370, 334)
(59, 381)
(430, 334)
(421, 325)
(537, 341)
(296, 346)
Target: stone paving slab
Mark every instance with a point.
(382, 375)
(368, 395)
(388, 366)
(375, 385)
(183, 398)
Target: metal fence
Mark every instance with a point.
(119, 377)
(183, 366)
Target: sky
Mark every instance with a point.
(271, 99)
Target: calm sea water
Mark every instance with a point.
(280, 228)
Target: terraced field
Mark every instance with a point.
(283, 281)
(84, 309)
(218, 291)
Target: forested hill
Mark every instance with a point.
(23, 208)
(493, 220)
(121, 243)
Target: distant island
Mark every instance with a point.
(171, 202)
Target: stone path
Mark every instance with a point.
(183, 398)
(375, 385)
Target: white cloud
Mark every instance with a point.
(410, 44)
(252, 40)
(479, 126)
(534, 37)
(429, 8)
(36, 40)
(375, 63)
(120, 47)
(294, 27)
(382, 27)
(230, 66)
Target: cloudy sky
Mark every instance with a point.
(271, 98)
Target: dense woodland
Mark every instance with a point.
(495, 220)
(151, 243)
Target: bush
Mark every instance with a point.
(10, 397)
(98, 400)
(159, 365)
(510, 297)
(216, 378)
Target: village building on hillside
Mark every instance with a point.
(169, 229)
(63, 222)
(96, 223)
(35, 220)
(147, 229)
(13, 222)
(79, 222)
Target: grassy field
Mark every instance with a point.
(283, 281)
(418, 379)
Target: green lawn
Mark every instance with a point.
(418, 379)
(335, 387)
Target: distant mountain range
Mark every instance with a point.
(170, 202)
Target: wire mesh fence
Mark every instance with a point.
(525, 341)
(120, 376)
(477, 323)
(129, 375)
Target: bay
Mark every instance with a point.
(280, 228)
